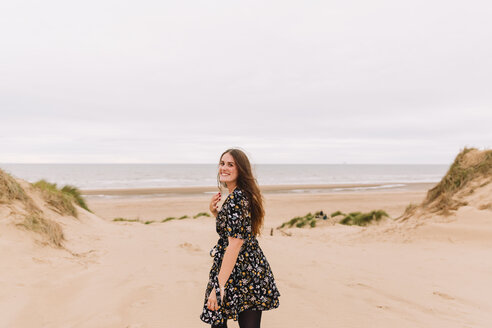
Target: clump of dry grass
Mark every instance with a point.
(49, 229)
(470, 164)
(486, 207)
(11, 190)
(60, 201)
(410, 210)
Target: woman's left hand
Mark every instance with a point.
(212, 301)
(222, 293)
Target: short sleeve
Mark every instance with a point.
(237, 216)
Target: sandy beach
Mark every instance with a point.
(129, 274)
(367, 127)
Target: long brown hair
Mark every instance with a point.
(248, 184)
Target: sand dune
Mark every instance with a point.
(426, 270)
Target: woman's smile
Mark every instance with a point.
(227, 169)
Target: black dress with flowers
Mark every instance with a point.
(251, 284)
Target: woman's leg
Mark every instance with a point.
(250, 319)
(224, 325)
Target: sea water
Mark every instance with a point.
(125, 176)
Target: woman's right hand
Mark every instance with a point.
(213, 204)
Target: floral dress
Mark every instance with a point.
(251, 284)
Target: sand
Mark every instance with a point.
(435, 273)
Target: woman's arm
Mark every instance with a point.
(229, 260)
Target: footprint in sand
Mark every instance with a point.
(190, 247)
(446, 296)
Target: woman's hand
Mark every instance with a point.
(213, 204)
(212, 301)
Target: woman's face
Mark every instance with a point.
(227, 169)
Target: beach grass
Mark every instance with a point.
(11, 190)
(201, 214)
(76, 195)
(62, 200)
(353, 218)
(470, 164)
(49, 229)
(363, 219)
(58, 200)
(336, 213)
(301, 221)
(170, 218)
(125, 220)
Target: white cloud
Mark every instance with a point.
(338, 81)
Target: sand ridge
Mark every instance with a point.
(422, 272)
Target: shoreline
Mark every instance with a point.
(268, 189)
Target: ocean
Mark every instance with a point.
(127, 176)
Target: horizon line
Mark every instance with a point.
(157, 163)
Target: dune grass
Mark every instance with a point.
(487, 206)
(363, 219)
(11, 190)
(337, 213)
(170, 218)
(50, 230)
(469, 164)
(201, 214)
(353, 218)
(301, 221)
(125, 220)
(61, 202)
(409, 210)
(76, 195)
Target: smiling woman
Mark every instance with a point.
(241, 283)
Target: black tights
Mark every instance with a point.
(247, 319)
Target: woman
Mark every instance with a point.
(241, 283)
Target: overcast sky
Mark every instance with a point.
(289, 81)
